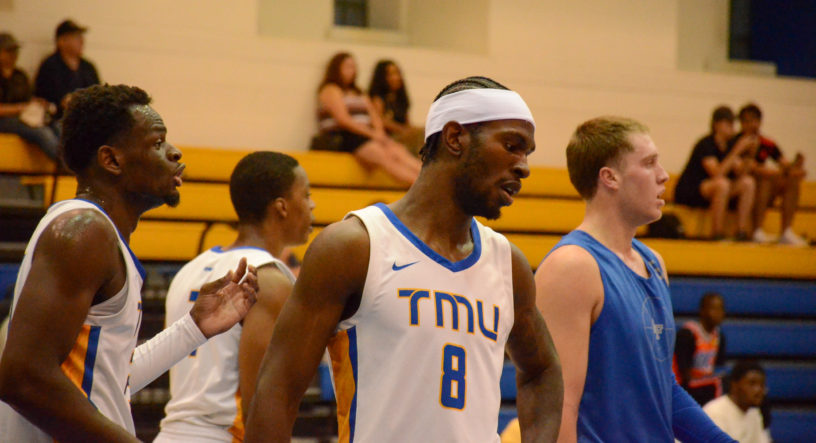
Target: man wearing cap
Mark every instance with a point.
(716, 174)
(16, 101)
(416, 300)
(65, 71)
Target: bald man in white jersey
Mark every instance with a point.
(416, 300)
(71, 360)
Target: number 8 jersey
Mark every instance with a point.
(421, 358)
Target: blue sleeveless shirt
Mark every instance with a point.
(628, 388)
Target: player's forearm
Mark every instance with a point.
(539, 402)
(154, 357)
(690, 423)
(51, 402)
(273, 410)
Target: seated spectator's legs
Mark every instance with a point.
(402, 155)
(791, 184)
(42, 136)
(716, 191)
(744, 189)
(375, 153)
(767, 188)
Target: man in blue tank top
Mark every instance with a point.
(605, 297)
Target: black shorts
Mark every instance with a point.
(340, 141)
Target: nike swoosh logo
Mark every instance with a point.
(395, 267)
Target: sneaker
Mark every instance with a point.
(790, 238)
(761, 236)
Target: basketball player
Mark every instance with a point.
(416, 300)
(606, 297)
(270, 194)
(71, 360)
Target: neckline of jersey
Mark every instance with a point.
(461, 265)
(220, 249)
(647, 261)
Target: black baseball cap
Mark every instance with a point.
(7, 42)
(69, 27)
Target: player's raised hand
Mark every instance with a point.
(224, 302)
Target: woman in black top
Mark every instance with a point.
(390, 98)
(715, 174)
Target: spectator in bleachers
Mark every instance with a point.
(715, 174)
(348, 122)
(699, 348)
(65, 71)
(20, 112)
(784, 179)
(738, 412)
(389, 95)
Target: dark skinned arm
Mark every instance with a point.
(333, 272)
(538, 369)
(76, 263)
(256, 332)
(684, 354)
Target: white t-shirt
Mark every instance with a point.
(745, 427)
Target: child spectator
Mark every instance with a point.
(738, 412)
(349, 123)
(699, 347)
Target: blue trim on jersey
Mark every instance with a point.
(219, 249)
(352, 338)
(90, 360)
(136, 261)
(461, 265)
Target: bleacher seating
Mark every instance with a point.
(546, 208)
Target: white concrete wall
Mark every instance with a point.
(229, 74)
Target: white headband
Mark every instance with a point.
(474, 106)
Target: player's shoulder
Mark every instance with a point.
(570, 258)
(346, 236)
(80, 227)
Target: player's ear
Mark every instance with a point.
(608, 177)
(110, 159)
(454, 138)
(280, 207)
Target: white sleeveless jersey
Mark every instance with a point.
(205, 402)
(99, 362)
(421, 359)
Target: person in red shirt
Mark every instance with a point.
(783, 179)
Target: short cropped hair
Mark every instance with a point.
(708, 296)
(257, 180)
(750, 108)
(97, 116)
(597, 143)
(429, 149)
(721, 113)
(742, 368)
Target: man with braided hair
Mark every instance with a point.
(416, 300)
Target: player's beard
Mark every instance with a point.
(466, 193)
